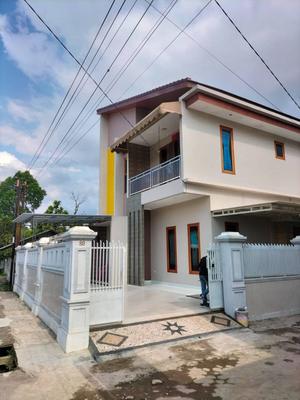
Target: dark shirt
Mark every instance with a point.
(203, 266)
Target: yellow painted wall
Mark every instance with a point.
(110, 188)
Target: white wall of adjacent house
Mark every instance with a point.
(179, 215)
(256, 167)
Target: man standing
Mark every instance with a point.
(203, 274)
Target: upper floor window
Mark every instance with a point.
(279, 150)
(227, 150)
(171, 249)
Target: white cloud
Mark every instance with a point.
(20, 111)
(9, 165)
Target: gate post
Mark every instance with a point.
(24, 278)
(43, 242)
(232, 263)
(73, 332)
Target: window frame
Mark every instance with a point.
(195, 224)
(225, 171)
(276, 142)
(169, 228)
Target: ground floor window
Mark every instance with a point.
(193, 247)
(231, 226)
(171, 249)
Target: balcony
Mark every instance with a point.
(156, 176)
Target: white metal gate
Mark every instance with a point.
(108, 274)
(215, 278)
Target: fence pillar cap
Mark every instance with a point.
(296, 240)
(79, 233)
(43, 241)
(230, 237)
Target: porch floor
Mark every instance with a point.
(156, 301)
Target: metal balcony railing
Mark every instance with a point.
(155, 176)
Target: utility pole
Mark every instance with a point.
(20, 188)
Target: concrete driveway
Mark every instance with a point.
(259, 363)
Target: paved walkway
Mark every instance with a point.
(113, 340)
(156, 301)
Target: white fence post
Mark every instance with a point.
(38, 284)
(24, 277)
(231, 258)
(73, 333)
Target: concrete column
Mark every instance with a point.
(38, 283)
(232, 262)
(73, 333)
(24, 278)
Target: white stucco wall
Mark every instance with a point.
(255, 163)
(269, 298)
(179, 215)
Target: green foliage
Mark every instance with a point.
(33, 196)
(54, 208)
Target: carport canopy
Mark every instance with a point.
(63, 219)
(266, 209)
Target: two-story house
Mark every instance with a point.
(185, 162)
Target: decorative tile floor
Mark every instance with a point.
(153, 332)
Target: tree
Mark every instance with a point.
(56, 208)
(78, 200)
(33, 195)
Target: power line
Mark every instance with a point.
(41, 147)
(215, 57)
(90, 63)
(98, 86)
(102, 55)
(182, 30)
(258, 55)
(187, 25)
(169, 44)
(126, 65)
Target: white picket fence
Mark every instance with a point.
(270, 260)
(107, 282)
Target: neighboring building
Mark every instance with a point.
(187, 161)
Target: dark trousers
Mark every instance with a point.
(204, 287)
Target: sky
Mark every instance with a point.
(36, 73)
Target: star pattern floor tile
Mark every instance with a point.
(153, 332)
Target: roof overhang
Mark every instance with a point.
(64, 219)
(239, 110)
(272, 209)
(154, 116)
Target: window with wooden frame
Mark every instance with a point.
(231, 226)
(227, 150)
(279, 150)
(193, 232)
(171, 249)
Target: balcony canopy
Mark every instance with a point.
(154, 116)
